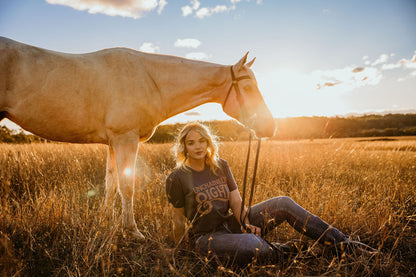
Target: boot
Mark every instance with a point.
(352, 247)
(321, 231)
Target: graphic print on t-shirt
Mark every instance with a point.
(215, 190)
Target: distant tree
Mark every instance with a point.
(6, 135)
(10, 136)
(287, 129)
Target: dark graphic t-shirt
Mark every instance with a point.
(204, 195)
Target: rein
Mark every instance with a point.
(253, 182)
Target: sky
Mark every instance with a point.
(313, 57)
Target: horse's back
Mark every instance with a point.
(72, 97)
(44, 92)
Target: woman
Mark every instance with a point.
(202, 190)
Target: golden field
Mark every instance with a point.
(51, 223)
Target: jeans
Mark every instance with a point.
(230, 244)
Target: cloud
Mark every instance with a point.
(289, 92)
(186, 10)
(187, 43)
(409, 64)
(382, 59)
(203, 12)
(409, 76)
(124, 8)
(197, 56)
(162, 4)
(390, 66)
(347, 79)
(358, 69)
(403, 63)
(195, 4)
(149, 47)
(327, 84)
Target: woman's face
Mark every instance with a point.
(196, 146)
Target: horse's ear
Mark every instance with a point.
(249, 64)
(240, 63)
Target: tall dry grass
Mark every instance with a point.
(51, 223)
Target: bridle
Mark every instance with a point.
(234, 84)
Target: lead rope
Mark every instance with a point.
(277, 249)
(253, 182)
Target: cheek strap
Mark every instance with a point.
(234, 84)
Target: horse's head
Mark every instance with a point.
(244, 102)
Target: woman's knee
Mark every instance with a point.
(283, 202)
(253, 248)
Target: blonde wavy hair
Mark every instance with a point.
(211, 159)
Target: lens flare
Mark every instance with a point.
(127, 171)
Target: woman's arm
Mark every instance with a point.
(235, 204)
(178, 216)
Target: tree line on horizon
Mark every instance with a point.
(293, 128)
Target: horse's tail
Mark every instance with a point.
(3, 74)
(8, 58)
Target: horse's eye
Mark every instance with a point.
(248, 88)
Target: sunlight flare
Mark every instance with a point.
(128, 171)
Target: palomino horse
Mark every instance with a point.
(117, 97)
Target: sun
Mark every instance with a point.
(289, 92)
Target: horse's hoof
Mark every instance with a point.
(137, 235)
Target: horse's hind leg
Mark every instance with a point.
(125, 150)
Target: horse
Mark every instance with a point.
(118, 97)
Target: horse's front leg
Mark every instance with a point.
(111, 179)
(125, 151)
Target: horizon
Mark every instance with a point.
(17, 129)
(313, 58)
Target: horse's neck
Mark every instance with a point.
(185, 84)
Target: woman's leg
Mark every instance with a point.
(272, 212)
(234, 248)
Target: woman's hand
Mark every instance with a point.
(235, 204)
(254, 229)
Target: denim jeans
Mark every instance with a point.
(230, 244)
